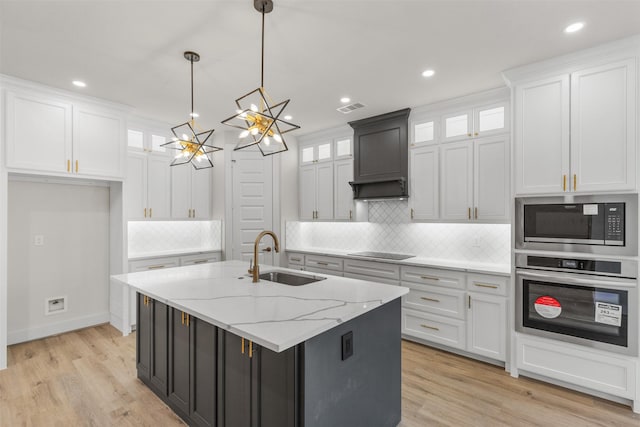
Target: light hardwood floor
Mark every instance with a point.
(88, 378)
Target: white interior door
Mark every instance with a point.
(252, 204)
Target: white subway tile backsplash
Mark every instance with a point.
(149, 237)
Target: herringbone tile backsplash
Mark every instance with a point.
(390, 230)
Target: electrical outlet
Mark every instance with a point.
(347, 345)
(38, 240)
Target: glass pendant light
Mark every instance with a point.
(257, 115)
(189, 140)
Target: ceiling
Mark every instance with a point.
(373, 51)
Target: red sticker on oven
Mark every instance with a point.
(548, 307)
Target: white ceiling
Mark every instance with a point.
(316, 51)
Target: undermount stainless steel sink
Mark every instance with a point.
(291, 279)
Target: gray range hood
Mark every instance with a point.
(380, 151)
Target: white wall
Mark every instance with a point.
(73, 262)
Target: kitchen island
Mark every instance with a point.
(223, 351)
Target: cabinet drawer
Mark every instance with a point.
(435, 299)
(433, 276)
(487, 284)
(325, 262)
(441, 330)
(204, 258)
(371, 279)
(153, 264)
(296, 259)
(377, 269)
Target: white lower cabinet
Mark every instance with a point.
(584, 367)
(465, 311)
(321, 262)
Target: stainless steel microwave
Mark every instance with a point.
(602, 224)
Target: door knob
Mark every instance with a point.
(267, 249)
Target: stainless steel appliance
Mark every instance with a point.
(586, 301)
(603, 224)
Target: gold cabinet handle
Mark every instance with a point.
(150, 212)
(155, 267)
(350, 214)
(430, 327)
(68, 165)
(182, 317)
(296, 259)
(475, 215)
(469, 301)
(482, 285)
(250, 349)
(411, 213)
(575, 178)
(322, 263)
(430, 299)
(242, 346)
(469, 134)
(194, 213)
(476, 133)
(77, 166)
(429, 278)
(469, 212)
(564, 182)
(200, 261)
(145, 212)
(187, 318)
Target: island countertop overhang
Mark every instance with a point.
(273, 315)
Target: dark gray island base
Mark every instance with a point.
(211, 377)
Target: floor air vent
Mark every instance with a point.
(349, 108)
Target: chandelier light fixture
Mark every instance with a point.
(257, 115)
(189, 140)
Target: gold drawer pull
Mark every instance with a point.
(242, 345)
(155, 267)
(296, 259)
(482, 285)
(76, 166)
(429, 278)
(68, 165)
(430, 299)
(200, 261)
(322, 263)
(430, 327)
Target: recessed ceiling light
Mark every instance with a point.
(288, 117)
(79, 83)
(576, 26)
(428, 73)
(345, 99)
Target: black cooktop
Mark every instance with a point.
(383, 255)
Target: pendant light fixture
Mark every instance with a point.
(189, 139)
(257, 115)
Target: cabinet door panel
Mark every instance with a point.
(491, 178)
(203, 373)
(135, 186)
(38, 133)
(98, 143)
(180, 191)
(542, 136)
(158, 187)
(237, 383)
(486, 326)
(179, 362)
(457, 126)
(324, 180)
(160, 347)
(424, 183)
(201, 193)
(143, 339)
(342, 191)
(603, 127)
(457, 181)
(307, 192)
(277, 388)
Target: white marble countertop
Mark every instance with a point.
(468, 266)
(159, 254)
(270, 314)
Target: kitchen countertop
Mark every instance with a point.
(467, 266)
(148, 255)
(272, 315)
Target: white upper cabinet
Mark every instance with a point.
(201, 187)
(319, 152)
(343, 194)
(190, 192)
(542, 136)
(307, 192)
(423, 183)
(491, 178)
(603, 127)
(38, 133)
(478, 122)
(49, 135)
(135, 187)
(423, 131)
(456, 179)
(343, 148)
(577, 132)
(316, 191)
(147, 187)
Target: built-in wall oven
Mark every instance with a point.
(602, 224)
(583, 300)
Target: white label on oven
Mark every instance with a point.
(548, 307)
(590, 209)
(609, 314)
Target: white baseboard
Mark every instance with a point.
(29, 334)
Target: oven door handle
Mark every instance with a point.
(570, 278)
